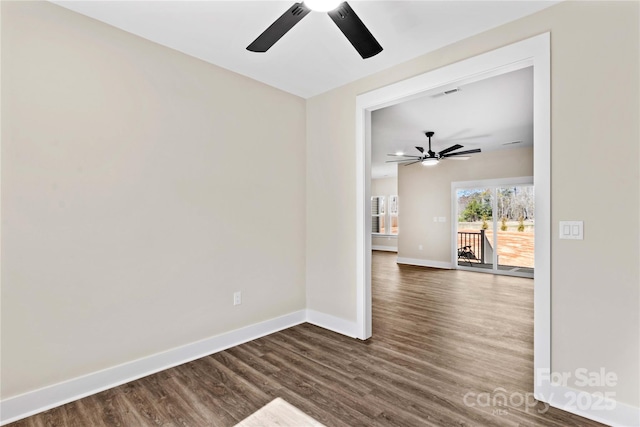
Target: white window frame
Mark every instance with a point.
(388, 214)
(382, 212)
(393, 202)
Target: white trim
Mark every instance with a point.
(384, 248)
(363, 219)
(425, 263)
(541, 53)
(561, 397)
(33, 402)
(393, 236)
(534, 52)
(497, 182)
(490, 271)
(333, 323)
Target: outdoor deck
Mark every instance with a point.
(515, 250)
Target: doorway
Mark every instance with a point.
(495, 227)
(531, 52)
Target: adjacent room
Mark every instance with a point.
(200, 224)
(423, 216)
(485, 136)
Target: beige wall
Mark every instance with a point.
(126, 227)
(140, 189)
(426, 193)
(384, 187)
(595, 282)
(384, 243)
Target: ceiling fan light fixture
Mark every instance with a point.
(399, 153)
(430, 161)
(322, 5)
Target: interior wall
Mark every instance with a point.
(595, 282)
(385, 187)
(426, 193)
(140, 189)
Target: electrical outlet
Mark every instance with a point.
(419, 247)
(237, 298)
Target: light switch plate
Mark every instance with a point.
(572, 230)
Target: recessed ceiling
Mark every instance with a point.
(491, 114)
(314, 56)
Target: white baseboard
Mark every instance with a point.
(384, 248)
(22, 406)
(591, 406)
(332, 323)
(33, 402)
(425, 263)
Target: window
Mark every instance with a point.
(393, 214)
(378, 214)
(383, 221)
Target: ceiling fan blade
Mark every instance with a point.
(279, 28)
(404, 160)
(459, 157)
(420, 149)
(355, 31)
(452, 148)
(417, 161)
(459, 153)
(403, 155)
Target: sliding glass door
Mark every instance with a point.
(495, 226)
(515, 228)
(475, 227)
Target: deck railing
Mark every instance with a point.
(475, 241)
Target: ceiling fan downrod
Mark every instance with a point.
(430, 152)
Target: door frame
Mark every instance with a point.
(534, 52)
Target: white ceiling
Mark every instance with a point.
(314, 56)
(486, 114)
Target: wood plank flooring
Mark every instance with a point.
(439, 336)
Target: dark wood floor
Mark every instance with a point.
(438, 336)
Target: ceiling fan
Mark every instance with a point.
(340, 12)
(431, 158)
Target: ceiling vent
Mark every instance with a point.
(446, 92)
